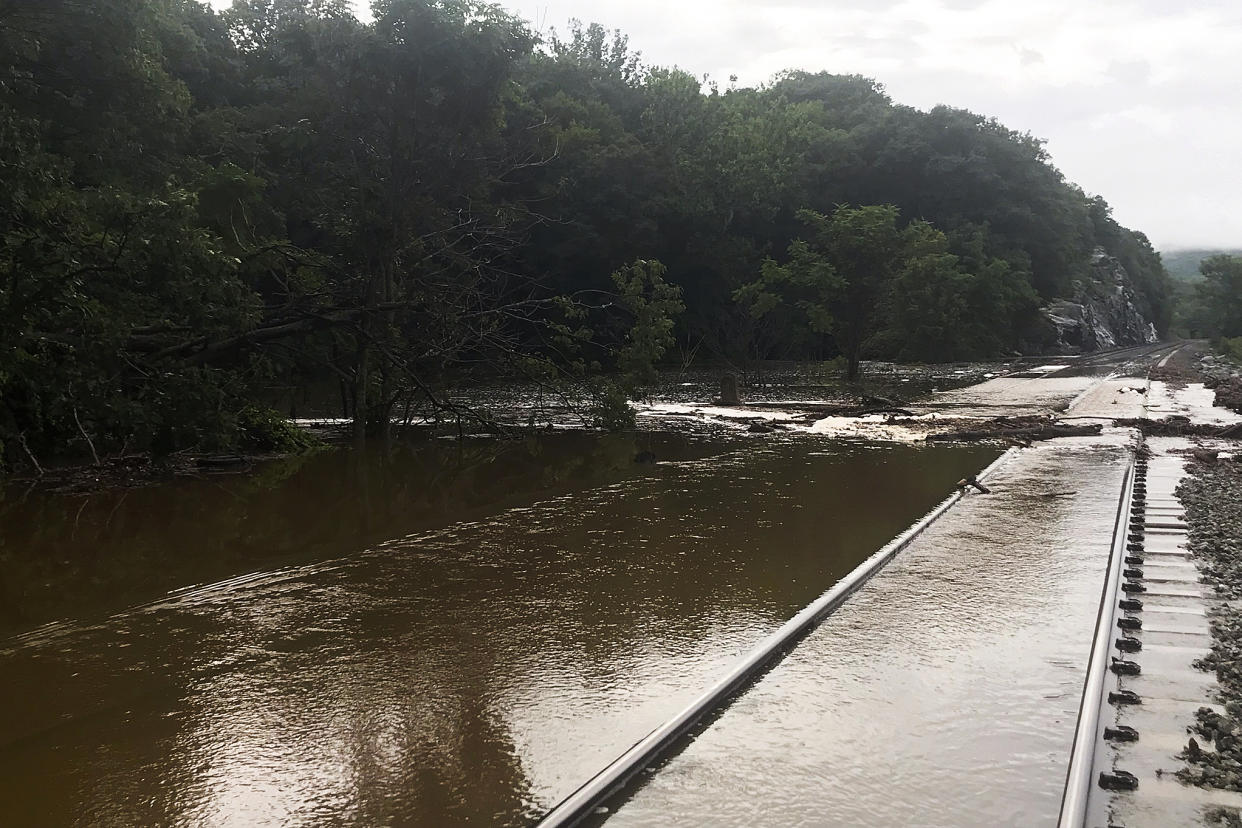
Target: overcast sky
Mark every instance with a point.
(1140, 101)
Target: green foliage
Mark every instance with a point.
(197, 204)
(908, 292)
(654, 305)
(837, 279)
(610, 407)
(1183, 264)
(650, 307)
(1221, 294)
(1230, 348)
(261, 429)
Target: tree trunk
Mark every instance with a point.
(855, 368)
(379, 423)
(362, 383)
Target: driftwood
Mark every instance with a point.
(1048, 432)
(900, 412)
(221, 461)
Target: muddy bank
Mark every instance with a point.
(136, 470)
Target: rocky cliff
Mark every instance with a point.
(1105, 311)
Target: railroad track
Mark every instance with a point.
(617, 778)
(1111, 652)
(1119, 358)
(1115, 623)
(1142, 689)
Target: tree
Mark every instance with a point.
(1221, 292)
(644, 332)
(840, 277)
(198, 205)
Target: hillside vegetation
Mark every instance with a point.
(197, 205)
(1183, 264)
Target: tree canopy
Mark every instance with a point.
(197, 205)
(1221, 294)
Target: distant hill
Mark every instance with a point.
(1183, 265)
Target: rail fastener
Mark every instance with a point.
(1119, 780)
(1121, 733)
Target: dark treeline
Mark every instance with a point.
(1211, 307)
(196, 205)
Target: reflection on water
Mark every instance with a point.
(68, 555)
(470, 674)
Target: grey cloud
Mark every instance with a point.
(962, 5)
(1029, 57)
(1130, 72)
(879, 46)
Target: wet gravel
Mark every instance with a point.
(1212, 496)
(1225, 377)
(1229, 394)
(1222, 818)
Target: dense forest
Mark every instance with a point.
(1208, 304)
(198, 205)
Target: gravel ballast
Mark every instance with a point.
(1212, 497)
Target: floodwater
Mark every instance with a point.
(760, 382)
(944, 693)
(454, 634)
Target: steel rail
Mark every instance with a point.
(1086, 733)
(613, 778)
(1130, 353)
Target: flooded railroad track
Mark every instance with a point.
(663, 741)
(943, 693)
(473, 666)
(1143, 690)
(395, 659)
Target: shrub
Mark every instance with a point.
(261, 429)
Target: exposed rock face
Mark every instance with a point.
(1104, 312)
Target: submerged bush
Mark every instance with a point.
(611, 409)
(262, 429)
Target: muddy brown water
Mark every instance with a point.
(454, 634)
